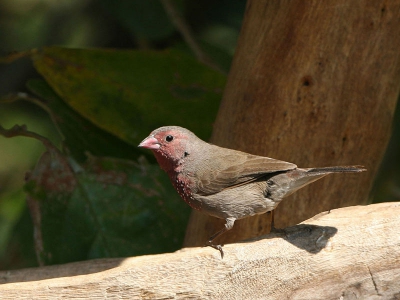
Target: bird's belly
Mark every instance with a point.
(238, 202)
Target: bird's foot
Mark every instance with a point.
(217, 247)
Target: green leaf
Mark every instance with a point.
(105, 208)
(80, 135)
(130, 93)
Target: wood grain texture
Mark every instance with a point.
(316, 84)
(347, 253)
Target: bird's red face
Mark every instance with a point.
(169, 146)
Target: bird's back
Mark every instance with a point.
(215, 168)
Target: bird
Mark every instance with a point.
(227, 183)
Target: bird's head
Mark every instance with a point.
(170, 145)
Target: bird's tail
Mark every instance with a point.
(285, 184)
(337, 169)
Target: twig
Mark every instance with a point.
(21, 130)
(13, 56)
(36, 216)
(187, 35)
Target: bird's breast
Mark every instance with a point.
(182, 185)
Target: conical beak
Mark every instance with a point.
(150, 143)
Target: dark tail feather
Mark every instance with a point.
(284, 184)
(338, 169)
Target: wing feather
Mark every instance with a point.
(219, 171)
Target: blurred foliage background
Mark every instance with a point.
(123, 24)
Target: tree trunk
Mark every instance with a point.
(348, 253)
(314, 83)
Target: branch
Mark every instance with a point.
(187, 35)
(337, 254)
(22, 130)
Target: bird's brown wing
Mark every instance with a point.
(232, 168)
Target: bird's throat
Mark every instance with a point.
(165, 163)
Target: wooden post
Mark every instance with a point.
(314, 83)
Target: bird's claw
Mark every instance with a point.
(217, 247)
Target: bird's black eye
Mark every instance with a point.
(169, 138)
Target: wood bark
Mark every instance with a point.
(314, 83)
(347, 253)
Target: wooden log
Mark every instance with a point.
(347, 253)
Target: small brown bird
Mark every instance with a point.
(226, 183)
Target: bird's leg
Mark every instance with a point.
(272, 221)
(273, 228)
(228, 226)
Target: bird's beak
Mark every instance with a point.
(150, 143)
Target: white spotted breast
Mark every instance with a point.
(182, 186)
